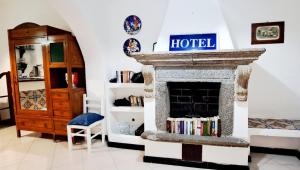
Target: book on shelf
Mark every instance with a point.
(136, 100)
(124, 76)
(210, 126)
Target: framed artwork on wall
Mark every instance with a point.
(267, 33)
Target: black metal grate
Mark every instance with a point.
(194, 99)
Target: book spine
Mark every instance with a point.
(142, 101)
(138, 101)
(178, 126)
(198, 126)
(194, 126)
(130, 76)
(205, 133)
(168, 126)
(126, 76)
(202, 127)
(213, 127)
(121, 76)
(173, 126)
(216, 125)
(208, 126)
(118, 77)
(219, 128)
(135, 101)
(181, 127)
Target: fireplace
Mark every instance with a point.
(171, 76)
(194, 99)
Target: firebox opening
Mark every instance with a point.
(194, 99)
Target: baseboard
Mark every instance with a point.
(276, 151)
(179, 162)
(126, 146)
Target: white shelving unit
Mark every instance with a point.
(124, 120)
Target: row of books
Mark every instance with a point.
(209, 126)
(124, 76)
(136, 100)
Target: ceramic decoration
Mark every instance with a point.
(131, 45)
(132, 25)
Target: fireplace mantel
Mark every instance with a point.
(216, 58)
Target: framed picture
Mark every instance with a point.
(267, 33)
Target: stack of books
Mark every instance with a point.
(209, 126)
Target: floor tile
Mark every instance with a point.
(32, 152)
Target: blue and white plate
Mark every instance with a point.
(132, 24)
(131, 45)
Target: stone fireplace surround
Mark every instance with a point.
(204, 66)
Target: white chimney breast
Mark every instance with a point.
(194, 17)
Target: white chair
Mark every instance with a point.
(86, 131)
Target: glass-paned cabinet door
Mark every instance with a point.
(57, 52)
(30, 77)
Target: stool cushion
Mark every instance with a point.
(86, 119)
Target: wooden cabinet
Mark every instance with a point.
(48, 77)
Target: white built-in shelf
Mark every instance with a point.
(126, 85)
(127, 109)
(120, 118)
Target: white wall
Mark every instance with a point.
(15, 12)
(274, 84)
(98, 27)
(194, 17)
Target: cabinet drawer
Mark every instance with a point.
(61, 105)
(60, 126)
(34, 123)
(62, 113)
(59, 96)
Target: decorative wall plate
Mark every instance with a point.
(132, 25)
(131, 45)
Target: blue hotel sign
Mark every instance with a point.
(193, 42)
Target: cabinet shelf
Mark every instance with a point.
(127, 109)
(126, 85)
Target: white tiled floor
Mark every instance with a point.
(31, 152)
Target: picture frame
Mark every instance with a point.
(267, 32)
